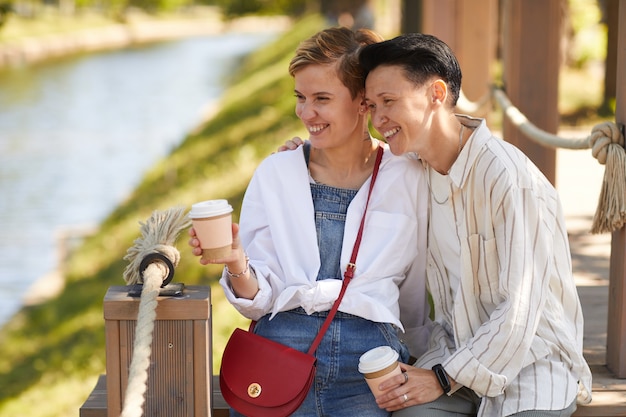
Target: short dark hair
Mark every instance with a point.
(421, 56)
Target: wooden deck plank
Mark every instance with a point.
(609, 398)
(609, 395)
(96, 403)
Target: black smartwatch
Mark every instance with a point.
(442, 377)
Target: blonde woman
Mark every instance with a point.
(298, 224)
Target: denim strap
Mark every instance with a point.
(347, 277)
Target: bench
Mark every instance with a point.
(609, 398)
(96, 403)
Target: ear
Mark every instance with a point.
(439, 91)
(363, 105)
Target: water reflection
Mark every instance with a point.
(76, 136)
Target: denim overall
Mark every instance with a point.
(339, 389)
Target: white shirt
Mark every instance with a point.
(277, 230)
(513, 331)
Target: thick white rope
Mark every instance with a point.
(533, 132)
(159, 234)
(142, 348)
(607, 146)
(480, 107)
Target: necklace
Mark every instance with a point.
(355, 180)
(458, 152)
(430, 186)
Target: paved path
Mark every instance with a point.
(579, 179)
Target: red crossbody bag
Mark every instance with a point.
(263, 378)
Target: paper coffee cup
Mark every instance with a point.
(212, 220)
(377, 365)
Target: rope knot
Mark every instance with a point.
(603, 135)
(158, 235)
(607, 144)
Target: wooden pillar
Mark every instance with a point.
(476, 45)
(610, 75)
(439, 19)
(616, 326)
(530, 49)
(412, 18)
(470, 29)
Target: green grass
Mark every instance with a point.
(52, 353)
(49, 21)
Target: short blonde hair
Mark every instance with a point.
(339, 46)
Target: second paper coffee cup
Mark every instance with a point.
(212, 221)
(378, 364)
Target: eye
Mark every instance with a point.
(387, 101)
(299, 97)
(371, 106)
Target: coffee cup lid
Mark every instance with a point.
(209, 208)
(376, 359)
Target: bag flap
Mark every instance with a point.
(264, 372)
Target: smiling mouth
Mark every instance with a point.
(391, 132)
(317, 128)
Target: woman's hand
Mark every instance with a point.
(236, 253)
(291, 144)
(194, 242)
(419, 386)
(245, 284)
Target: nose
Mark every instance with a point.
(305, 111)
(378, 118)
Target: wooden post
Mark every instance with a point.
(616, 326)
(531, 35)
(610, 75)
(470, 29)
(180, 373)
(439, 19)
(412, 16)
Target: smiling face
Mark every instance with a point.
(400, 110)
(326, 107)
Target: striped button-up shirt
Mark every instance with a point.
(509, 323)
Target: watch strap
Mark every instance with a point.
(442, 377)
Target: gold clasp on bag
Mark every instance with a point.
(254, 390)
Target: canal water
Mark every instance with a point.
(76, 136)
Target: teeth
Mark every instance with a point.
(391, 132)
(314, 129)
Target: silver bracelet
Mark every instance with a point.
(245, 270)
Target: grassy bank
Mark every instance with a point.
(49, 21)
(52, 353)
